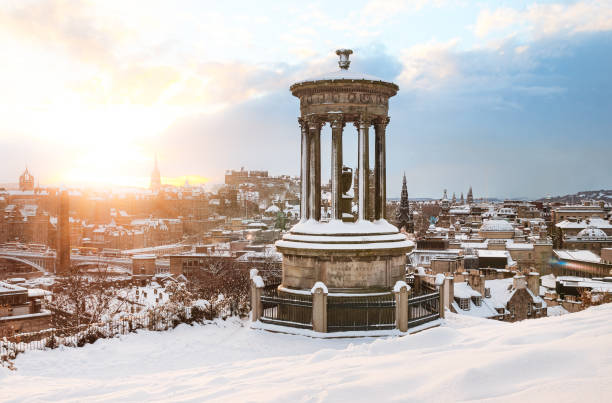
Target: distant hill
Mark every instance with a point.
(605, 195)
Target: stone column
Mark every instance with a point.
(336, 167)
(380, 170)
(401, 305)
(319, 307)
(305, 171)
(363, 126)
(314, 128)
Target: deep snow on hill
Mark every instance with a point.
(566, 358)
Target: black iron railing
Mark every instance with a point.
(423, 308)
(361, 313)
(286, 309)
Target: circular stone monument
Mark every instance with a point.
(349, 254)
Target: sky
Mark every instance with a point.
(512, 98)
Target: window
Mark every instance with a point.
(464, 303)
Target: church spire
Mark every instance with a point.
(155, 176)
(403, 216)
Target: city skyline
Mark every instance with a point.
(510, 99)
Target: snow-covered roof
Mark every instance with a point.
(341, 75)
(38, 292)
(273, 209)
(463, 290)
(492, 253)
(10, 288)
(460, 210)
(594, 221)
(595, 285)
(496, 226)
(518, 246)
(578, 255)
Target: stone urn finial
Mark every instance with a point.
(344, 61)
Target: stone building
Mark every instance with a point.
(591, 238)
(496, 229)
(144, 265)
(509, 300)
(580, 212)
(21, 311)
(582, 263)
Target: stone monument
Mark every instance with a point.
(350, 255)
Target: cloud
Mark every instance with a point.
(428, 65)
(498, 19)
(541, 20)
(71, 26)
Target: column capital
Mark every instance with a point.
(303, 124)
(314, 122)
(337, 121)
(382, 122)
(363, 121)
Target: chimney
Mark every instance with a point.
(533, 282)
(477, 281)
(519, 282)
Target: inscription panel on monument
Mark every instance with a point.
(357, 274)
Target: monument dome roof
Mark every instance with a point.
(343, 73)
(496, 226)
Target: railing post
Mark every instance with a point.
(257, 286)
(319, 307)
(401, 305)
(442, 289)
(418, 280)
(441, 304)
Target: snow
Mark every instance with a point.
(501, 291)
(350, 246)
(258, 281)
(399, 285)
(38, 292)
(593, 221)
(578, 255)
(564, 358)
(463, 290)
(272, 209)
(496, 226)
(337, 227)
(557, 310)
(510, 245)
(319, 286)
(439, 279)
(345, 238)
(492, 253)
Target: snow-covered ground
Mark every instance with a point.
(566, 358)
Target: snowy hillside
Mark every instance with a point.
(566, 358)
(604, 195)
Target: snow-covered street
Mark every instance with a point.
(566, 358)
